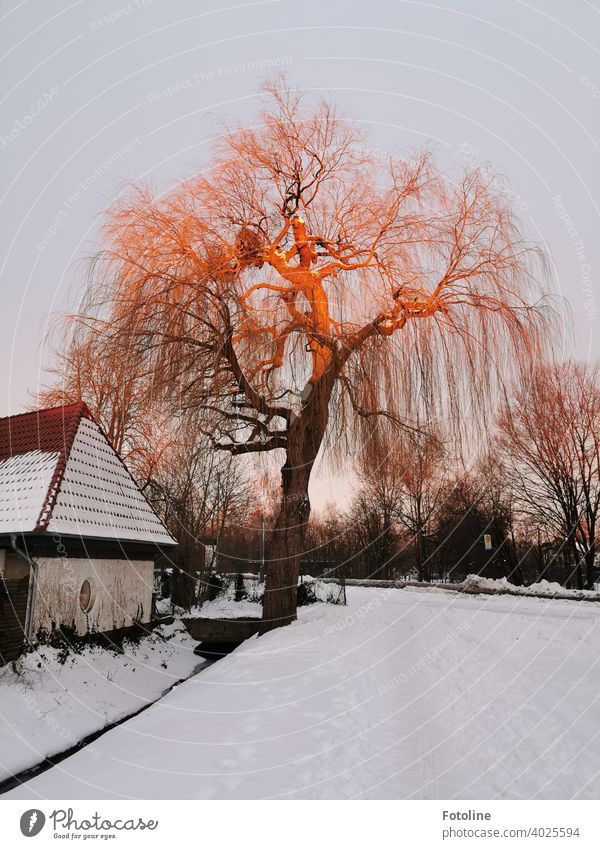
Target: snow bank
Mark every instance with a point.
(47, 707)
(545, 589)
(165, 608)
(398, 695)
(225, 608)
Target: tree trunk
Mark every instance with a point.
(418, 558)
(590, 571)
(577, 560)
(514, 566)
(425, 561)
(285, 550)
(577, 557)
(304, 438)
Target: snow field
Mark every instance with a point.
(399, 695)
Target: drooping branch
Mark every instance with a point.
(299, 262)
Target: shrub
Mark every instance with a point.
(216, 586)
(240, 588)
(306, 594)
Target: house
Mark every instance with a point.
(78, 539)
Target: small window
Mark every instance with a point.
(86, 597)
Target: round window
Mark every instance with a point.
(86, 598)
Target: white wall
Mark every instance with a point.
(120, 588)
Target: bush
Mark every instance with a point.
(70, 642)
(240, 588)
(306, 594)
(216, 586)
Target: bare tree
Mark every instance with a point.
(473, 506)
(329, 541)
(372, 520)
(551, 430)
(121, 400)
(404, 477)
(298, 289)
(416, 468)
(198, 492)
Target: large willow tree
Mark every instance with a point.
(298, 291)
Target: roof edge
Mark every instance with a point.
(81, 411)
(81, 404)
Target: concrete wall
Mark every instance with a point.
(121, 592)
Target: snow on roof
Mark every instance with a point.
(59, 473)
(24, 483)
(98, 497)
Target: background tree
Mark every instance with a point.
(121, 400)
(373, 527)
(550, 429)
(198, 493)
(329, 543)
(468, 511)
(414, 470)
(298, 289)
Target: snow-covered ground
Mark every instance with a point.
(402, 694)
(225, 608)
(49, 707)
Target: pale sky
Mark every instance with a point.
(97, 92)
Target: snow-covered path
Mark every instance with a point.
(403, 694)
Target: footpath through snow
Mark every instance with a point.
(399, 695)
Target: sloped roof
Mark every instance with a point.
(59, 474)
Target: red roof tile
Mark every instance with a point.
(51, 430)
(41, 430)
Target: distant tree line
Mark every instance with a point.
(421, 508)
